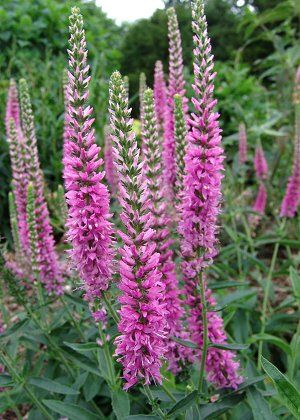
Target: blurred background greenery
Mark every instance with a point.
(255, 42)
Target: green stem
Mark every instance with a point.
(205, 334)
(169, 393)
(110, 308)
(20, 380)
(108, 358)
(153, 403)
(266, 297)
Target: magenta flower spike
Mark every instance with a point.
(160, 96)
(19, 182)
(88, 227)
(260, 163)
(176, 86)
(201, 206)
(142, 88)
(142, 341)
(291, 199)
(12, 107)
(261, 200)
(242, 144)
(66, 113)
(48, 266)
(16, 151)
(176, 353)
(110, 171)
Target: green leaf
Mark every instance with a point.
(286, 390)
(82, 348)
(184, 403)
(213, 410)
(18, 327)
(237, 296)
(259, 406)
(52, 386)
(247, 383)
(141, 417)
(71, 411)
(295, 280)
(120, 404)
(185, 343)
(225, 284)
(6, 380)
(91, 387)
(85, 363)
(279, 342)
(229, 346)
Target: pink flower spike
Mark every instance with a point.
(110, 171)
(48, 265)
(176, 353)
(201, 205)
(89, 229)
(260, 163)
(176, 86)
(291, 199)
(141, 343)
(160, 96)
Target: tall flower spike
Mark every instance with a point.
(260, 163)
(19, 180)
(32, 227)
(160, 96)
(142, 88)
(180, 134)
(110, 170)
(12, 107)
(261, 200)
(162, 223)
(201, 206)
(50, 274)
(176, 86)
(291, 199)
(14, 228)
(88, 227)
(66, 104)
(242, 144)
(141, 344)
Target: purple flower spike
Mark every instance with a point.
(201, 206)
(143, 327)
(160, 96)
(48, 266)
(260, 163)
(110, 171)
(66, 123)
(176, 86)
(16, 150)
(291, 199)
(89, 228)
(12, 107)
(176, 353)
(261, 200)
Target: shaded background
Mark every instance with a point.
(256, 45)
